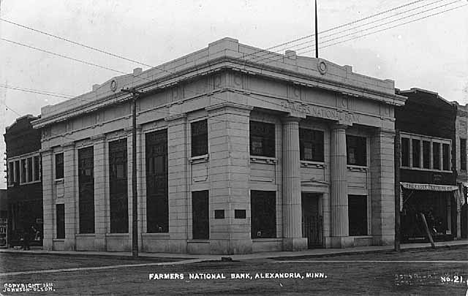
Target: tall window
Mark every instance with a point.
(357, 150)
(416, 153)
(436, 156)
(311, 144)
(11, 173)
(118, 186)
(446, 157)
(157, 206)
(262, 139)
(463, 154)
(405, 152)
(60, 212)
(17, 171)
(23, 171)
(357, 214)
(426, 154)
(200, 215)
(199, 137)
(86, 189)
(59, 166)
(263, 206)
(29, 166)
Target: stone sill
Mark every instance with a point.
(263, 159)
(117, 234)
(199, 159)
(58, 240)
(312, 164)
(58, 181)
(354, 168)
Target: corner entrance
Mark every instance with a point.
(312, 220)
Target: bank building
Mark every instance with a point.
(239, 150)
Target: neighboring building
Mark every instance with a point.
(238, 150)
(24, 187)
(461, 164)
(428, 165)
(3, 218)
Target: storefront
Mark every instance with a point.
(440, 206)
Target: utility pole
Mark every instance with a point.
(135, 95)
(316, 31)
(397, 191)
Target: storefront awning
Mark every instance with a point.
(431, 187)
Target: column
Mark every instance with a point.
(101, 193)
(383, 187)
(70, 195)
(229, 172)
(339, 188)
(48, 200)
(177, 184)
(292, 213)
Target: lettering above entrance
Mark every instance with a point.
(303, 110)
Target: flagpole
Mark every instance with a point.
(316, 31)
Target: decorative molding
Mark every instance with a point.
(263, 159)
(308, 164)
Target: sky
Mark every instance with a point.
(431, 53)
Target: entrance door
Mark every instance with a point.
(312, 222)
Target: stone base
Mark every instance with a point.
(295, 244)
(341, 242)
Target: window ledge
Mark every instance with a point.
(312, 164)
(425, 170)
(58, 240)
(117, 234)
(263, 159)
(159, 235)
(199, 159)
(58, 181)
(356, 168)
(85, 235)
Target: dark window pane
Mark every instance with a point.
(118, 197)
(30, 169)
(86, 189)
(59, 166)
(436, 156)
(357, 213)
(463, 154)
(157, 206)
(200, 215)
(416, 153)
(357, 150)
(17, 171)
(263, 207)
(311, 145)
(199, 137)
(11, 173)
(405, 152)
(37, 168)
(426, 154)
(60, 213)
(446, 156)
(23, 170)
(262, 139)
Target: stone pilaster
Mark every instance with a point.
(70, 195)
(339, 188)
(177, 182)
(228, 138)
(101, 192)
(292, 214)
(48, 199)
(383, 187)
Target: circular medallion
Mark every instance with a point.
(113, 85)
(322, 67)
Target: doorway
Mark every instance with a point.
(312, 220)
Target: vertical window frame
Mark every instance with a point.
(316, 140)
(199, 137)
(262, 138)
(59, 165)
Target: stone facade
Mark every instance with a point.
(255, 202)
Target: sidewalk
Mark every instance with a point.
(254, 256)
